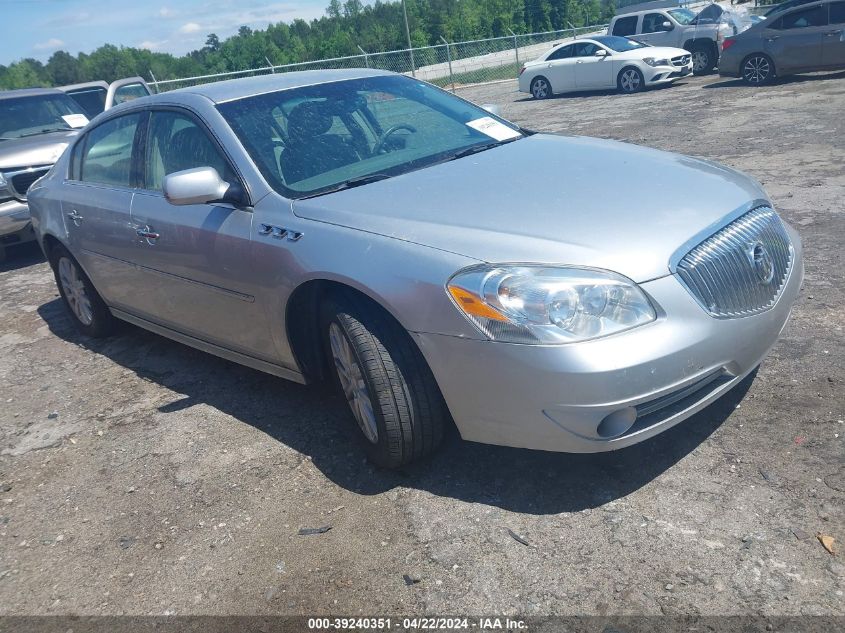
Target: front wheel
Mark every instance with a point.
(703, 60)
(757, 70)
(387, 384)
(541, 88)
(630, 80)
(87, 309)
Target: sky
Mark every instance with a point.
(38, 28)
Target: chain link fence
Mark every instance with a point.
(450, 65)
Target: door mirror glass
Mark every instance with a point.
(197, 186)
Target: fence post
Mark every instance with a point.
(515, 51)
(366, 57)
(270, 64)
(574, 30)
(155, 81)
(449, 59)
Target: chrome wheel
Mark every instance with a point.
(352, 381)
(700, 61)
(756, 70)
(541, 89)
(630, 80)
(74, 290)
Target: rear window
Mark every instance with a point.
(625, 26)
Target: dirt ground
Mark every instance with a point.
(138, 476)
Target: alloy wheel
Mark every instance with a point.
(630, 80)
(74, 291)
(756, 70)
(700, 61)
(353, 383)
(540, 89)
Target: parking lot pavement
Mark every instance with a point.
(140, 476)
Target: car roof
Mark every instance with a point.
(232, 89)
(28, 92)
(86, 84)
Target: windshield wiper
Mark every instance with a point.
(474, 149)
(349, 184)
(46, 130)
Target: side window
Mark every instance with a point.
(625, 26)
(563, 52)
(837, 12)
(814, 16)
(176, 142)
(653, 22)
(585, 49)
(76, 160)
(130, 92)
(107, 153)
(91, 100)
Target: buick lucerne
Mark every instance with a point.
(438, 263)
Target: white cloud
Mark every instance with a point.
(190, 27)
(52, 43)
(166, 12)
(152, 46)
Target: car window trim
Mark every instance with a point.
(82, 141)
(194, 116)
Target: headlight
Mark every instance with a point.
(543, 305)
(5, 194)
(651, 61)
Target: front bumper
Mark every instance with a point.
(554, 397)
(666, 74)
(14, 218)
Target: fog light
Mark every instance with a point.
(617, 423)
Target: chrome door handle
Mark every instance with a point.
(147, 234)
(832, 33)
(578, 61)
(74, 215)
(772, 39)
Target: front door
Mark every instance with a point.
(655, 31)
(591, 71)
(96, 203)
(833, 40)
(195, 259)
(794, 41)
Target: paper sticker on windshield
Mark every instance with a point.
(492, 128)
(75, 120)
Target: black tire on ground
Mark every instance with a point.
(630, 80)
(92, 319)
(703, 59)
(408, 411)
(541, 88)
(757, 69)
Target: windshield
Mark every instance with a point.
(92, 100)
(38, 114)
(682, 16)
(619, 44)
(321, 138)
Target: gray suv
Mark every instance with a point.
(803, 39)
(35, 128)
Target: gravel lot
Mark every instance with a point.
(138, 476)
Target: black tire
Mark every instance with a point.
(630, 80)
(757, 69)
(703, 59)
(96, 321)
(541, 88)
(408, 410)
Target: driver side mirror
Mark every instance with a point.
(600, 53)
(199, 186)
(667, 26)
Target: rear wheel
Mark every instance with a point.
(541, 88)
(387, 384)
(88, 311)
(703, 59)
(630, 80)
(757, 69)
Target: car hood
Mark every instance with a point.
(658, 52)
(549, 199)
(43, 149)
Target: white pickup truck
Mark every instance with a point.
(699, 33)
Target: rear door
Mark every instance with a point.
(195, 260)
(833, 40)
(560, 68)
(97, 201)
(794, 40)
(592, 72)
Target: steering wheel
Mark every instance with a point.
(379, 146)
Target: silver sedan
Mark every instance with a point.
(437, 262)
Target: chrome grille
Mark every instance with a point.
(741, 269)
(681, 60)
(21, 180)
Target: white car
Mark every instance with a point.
(604, 61)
